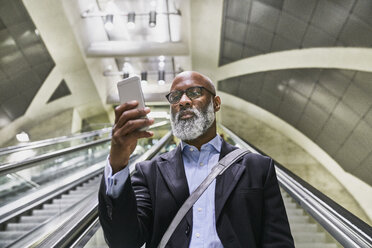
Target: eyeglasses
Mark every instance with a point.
(192, 93)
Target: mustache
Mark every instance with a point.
(186, 111)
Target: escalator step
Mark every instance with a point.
(309, 237)
(58, 207)
(303, 227)
(20, 226)
(295, 211)
(316, 245)
(5, 243)
(298, 219)
(45, 212)
(10, 235)
(33, 219)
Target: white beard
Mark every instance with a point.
(192, 128)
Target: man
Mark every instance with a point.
(241, 208)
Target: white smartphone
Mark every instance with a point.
(130, 89)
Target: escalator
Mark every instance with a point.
(69, 217)
(42, 192)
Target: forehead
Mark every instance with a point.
(184, 82)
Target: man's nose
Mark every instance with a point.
(185, 100)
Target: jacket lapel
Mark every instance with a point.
(227, 181)
(173, 172)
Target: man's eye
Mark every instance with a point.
(193, 94)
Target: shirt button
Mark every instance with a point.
(201, 164)
(198, 235)
(191, 149)
(200, 209)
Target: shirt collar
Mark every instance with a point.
(216, 143)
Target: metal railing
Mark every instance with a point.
(52, 141)
(69, 229)
(347, 229)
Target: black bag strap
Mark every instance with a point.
(218, 169)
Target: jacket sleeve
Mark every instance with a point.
(127, 219)
(276, 230)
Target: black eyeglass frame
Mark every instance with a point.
(185, 91)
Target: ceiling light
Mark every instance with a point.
(161, 58)
(22, 137)
(131, 20)
(109, 22)
(152, 20)
(153, 3)
(161, 65)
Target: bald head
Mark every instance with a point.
(190, 77)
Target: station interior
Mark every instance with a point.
(294, 77)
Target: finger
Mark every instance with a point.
(131, 115)
(118, 138)
(141, 134)
(123, 107)
(133, 125)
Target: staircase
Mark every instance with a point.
(28, 223)
(306, 233)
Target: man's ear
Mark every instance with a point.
(216, 103)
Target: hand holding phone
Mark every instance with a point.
(130, 122)
(130, 89)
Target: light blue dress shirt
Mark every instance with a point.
(198, 164)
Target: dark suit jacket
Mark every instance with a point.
(248, 205)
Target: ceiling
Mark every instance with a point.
(254, 27)
(332, 107)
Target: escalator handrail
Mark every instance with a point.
(51, 141)
(345, 227)
(63, 236)
(16, 166)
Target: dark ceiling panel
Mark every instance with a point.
(327, 105)
(312, 121)
(258, 38)
(329, 17)
(238, 9)
(61, 91)
(324, 99)
(24, 34)
(24, 60)
(334, 81)
(363, 9)
(357, 33)
(291, 27)
(358, 99)
(294, 24)
(278, 4)
(264, 15)
(235, 31)
(302, 9)
(13, 12)
(233, 50)
(315, 37)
